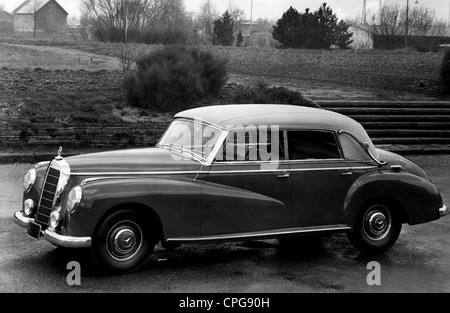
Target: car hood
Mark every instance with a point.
(147, 160)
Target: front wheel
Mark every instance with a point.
(122, 243)
(376, 229)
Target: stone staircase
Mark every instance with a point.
(400, 126)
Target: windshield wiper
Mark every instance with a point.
(364, 145)
(195, 154)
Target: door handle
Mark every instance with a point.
(350, 173)
(287, 175)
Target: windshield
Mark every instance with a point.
(191, 138)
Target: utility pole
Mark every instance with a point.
(363, 16)
(407, 22)
(251, 12)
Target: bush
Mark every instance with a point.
(261, 93)
(174, 78)
(445, 73)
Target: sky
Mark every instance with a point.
(274, 9)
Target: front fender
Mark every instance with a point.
(177, 202)
(418, 196)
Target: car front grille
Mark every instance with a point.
(48, 196)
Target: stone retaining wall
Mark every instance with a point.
(13, 134)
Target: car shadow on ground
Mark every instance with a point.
(295, 253)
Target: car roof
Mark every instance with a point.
(285, 116)
(272, 114)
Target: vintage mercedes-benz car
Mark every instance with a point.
(233, 172)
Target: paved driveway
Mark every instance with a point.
(417, 263)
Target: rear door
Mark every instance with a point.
(320, 178)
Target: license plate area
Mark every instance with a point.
(34, 230)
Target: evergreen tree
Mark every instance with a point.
(223, 30)
(343, 36)
(326, 27)
(318, 30)
(287, 29)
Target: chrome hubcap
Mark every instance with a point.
(377, 222)
(124, 240)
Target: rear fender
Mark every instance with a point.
(418, 197)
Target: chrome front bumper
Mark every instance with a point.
(443, 211)
(52, 236)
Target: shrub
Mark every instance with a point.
(445, 73)
(174, 78)
(261, 93)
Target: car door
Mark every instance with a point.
(320, 178)
(248, 187)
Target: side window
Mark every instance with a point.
(352, 151)
(305, 145)
(258, 144)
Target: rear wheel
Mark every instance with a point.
(122, 243)
(376, 229)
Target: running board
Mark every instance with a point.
(262, 234)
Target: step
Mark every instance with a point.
(416, 148)
(408, 133)
(409, 140)
(407, 125)
(400, 118)
(391, 111)
(383, 104)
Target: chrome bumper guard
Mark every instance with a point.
(443, 211)
(52, 236)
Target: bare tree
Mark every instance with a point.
(208, 13)
(33, 7)
(132, 15)
(421, 22)
(237, 14)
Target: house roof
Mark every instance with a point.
(30, 6)
(4, 13)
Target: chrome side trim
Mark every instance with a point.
(67, 241)
(443, 211)
(215, 172)
(263, 234)
(133, 173)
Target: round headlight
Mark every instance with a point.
(28, 207)
(55, 218)
(73, 198)
(29, 180)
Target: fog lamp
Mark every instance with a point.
(55, 218)
(28, 207)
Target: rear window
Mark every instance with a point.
(306, 145)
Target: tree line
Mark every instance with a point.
(167, 22)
